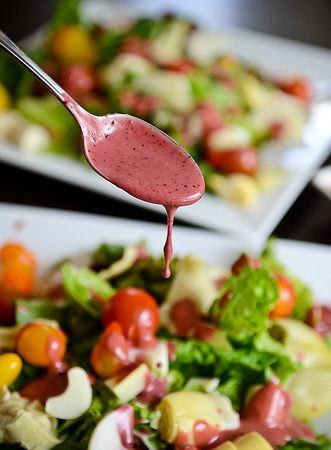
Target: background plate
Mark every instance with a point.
(53, 235)
(275, 55)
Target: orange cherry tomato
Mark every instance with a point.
(17, 277)
(41, 345)
(137, 313)
(13, 251)
(298, 87)
(238, 160)
(286, 300)
(103, 361)
(110, 353)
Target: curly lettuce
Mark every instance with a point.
(250, 296)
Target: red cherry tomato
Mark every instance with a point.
(79, 80)
(286, 300)
(319, 318)
(137, 313)
(298, 87)
(239, 160)
(210, 117)
(17, 276)
(185, 316)
(183, 65)
(136, 45)
(245, 260)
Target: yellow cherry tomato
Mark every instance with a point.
(73, 44)
(4, 98)
(10, 368)
(41, 345)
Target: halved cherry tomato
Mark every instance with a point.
(298, 87)
(110, 353)
(238, 160)
(244, 260)
(137, 313)
(17, 277)
(79, 80)
(286, 300)
(41, 345)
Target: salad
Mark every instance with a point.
(221, 110)
(101, 352)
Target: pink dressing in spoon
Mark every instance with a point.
(142, 160)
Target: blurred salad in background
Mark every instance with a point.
(222, 111)
(102, 352)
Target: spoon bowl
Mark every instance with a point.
(138, 157)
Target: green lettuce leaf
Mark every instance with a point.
(48, 112)
(252, 296)
(67, 12)
(237, 369)
(29, 310)
(106, 254)
(148, 274)
(86, 288)
(27, 374)
(10, 447)
(80, 429)
(321, 442)
(303, 294)
(205, 88)
(68, 445)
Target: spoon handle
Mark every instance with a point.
(7, 44)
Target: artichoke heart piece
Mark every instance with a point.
(194, 281)
(181, 411)
(252, 441)
(228, 445)
(302, 343)
(25, 423)
(311, 392)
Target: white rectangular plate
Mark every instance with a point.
(273, 54)
(53, 235)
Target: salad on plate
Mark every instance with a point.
(222, 110)
(101, 352)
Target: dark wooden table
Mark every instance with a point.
(309, 219)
